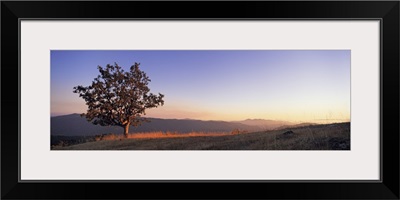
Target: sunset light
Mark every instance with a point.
(291, 85)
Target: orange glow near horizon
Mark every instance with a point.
(313, 112)
(291, 114)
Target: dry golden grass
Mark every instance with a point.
(319, 137)
(172, 135)
(158, 134)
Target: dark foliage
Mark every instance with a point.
(118, 98)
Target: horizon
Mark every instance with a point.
(331, 121)
(307, 86)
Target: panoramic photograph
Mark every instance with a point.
(200, 100)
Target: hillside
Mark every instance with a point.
(295, 126)
(75, 125)
(320, 137)
(265, 124)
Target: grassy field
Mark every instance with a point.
(318, 137)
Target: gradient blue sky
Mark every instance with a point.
(293, 85)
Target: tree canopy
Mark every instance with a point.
(118, 98)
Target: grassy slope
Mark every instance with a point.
(320, 137)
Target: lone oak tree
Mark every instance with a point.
(118, 98)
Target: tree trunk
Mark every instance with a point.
(126, 129)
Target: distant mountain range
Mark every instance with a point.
(265, 124)
(295, 126)
(75, 125)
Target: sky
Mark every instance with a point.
(230, 85)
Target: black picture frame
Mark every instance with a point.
(386, 11)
